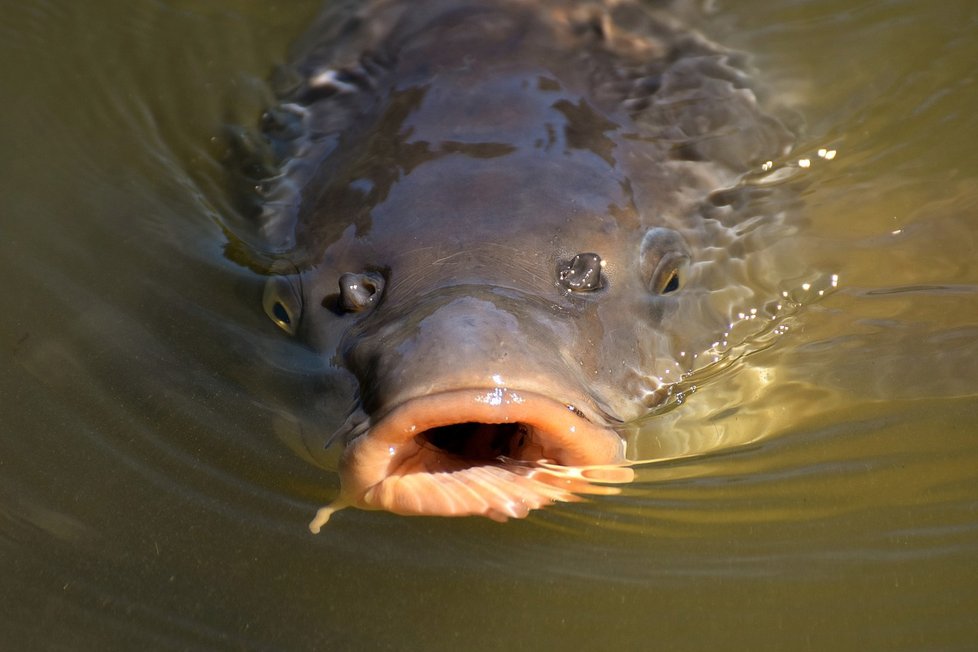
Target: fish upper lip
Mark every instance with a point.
(393, 466)
(491, 405)
(587, 408)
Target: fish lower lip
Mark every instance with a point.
(492, 452)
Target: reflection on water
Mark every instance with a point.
(160, 445)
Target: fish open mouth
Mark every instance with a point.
(491, 452)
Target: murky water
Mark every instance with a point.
(820, 493)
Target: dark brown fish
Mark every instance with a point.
(513, 223)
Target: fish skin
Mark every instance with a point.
(536, 197)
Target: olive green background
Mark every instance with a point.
(153, 494)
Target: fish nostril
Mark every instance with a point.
(357, 291)
(582, 273)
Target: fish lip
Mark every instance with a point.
(389, 468)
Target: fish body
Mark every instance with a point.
(513, 223)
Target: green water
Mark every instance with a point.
(823, 494)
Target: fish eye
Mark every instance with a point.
(672, 284)
(282, 303)
(664, 260)
(281, 314)
(669, 273)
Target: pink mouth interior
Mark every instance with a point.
(497, 453)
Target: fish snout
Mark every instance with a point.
(472, 413)
(463, 340)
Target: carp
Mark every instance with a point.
(513, 223)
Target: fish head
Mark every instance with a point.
(511, 266)
(499, 313)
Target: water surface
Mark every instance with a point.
(156, 466)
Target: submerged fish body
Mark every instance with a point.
(512, 223)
